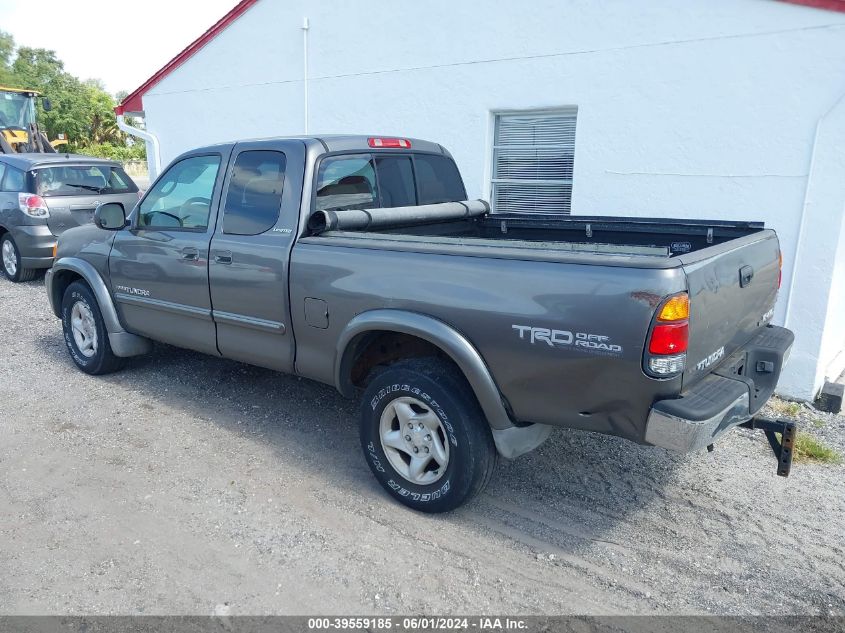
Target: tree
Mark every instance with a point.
(7, 48)
(82, 110)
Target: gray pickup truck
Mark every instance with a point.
(358, 262)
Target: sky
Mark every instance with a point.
(120, 43)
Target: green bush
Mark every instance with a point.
(136, 151)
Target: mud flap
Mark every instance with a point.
(782, 448)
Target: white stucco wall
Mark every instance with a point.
(685, 108)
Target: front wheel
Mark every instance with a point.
(11, 261)
(424, 435)
(85, 331)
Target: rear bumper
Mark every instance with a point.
(727, 397)
(35, 244)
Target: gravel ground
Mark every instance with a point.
(193, 485)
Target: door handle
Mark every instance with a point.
(223, 257)
(190, 254)
(746, 274)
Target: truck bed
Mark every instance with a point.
(655, 237)
(603, 240)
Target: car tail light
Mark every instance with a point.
(389, 142)
(675, 308)
(34, 206)
(669, 338)
(665, 366)
(780, 268)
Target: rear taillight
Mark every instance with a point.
(34, 206)
(666, 353)
(389, 142)
(669, 338)
(780, 268)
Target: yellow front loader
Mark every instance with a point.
(18, 129)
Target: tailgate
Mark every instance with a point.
(732, 296)
(67, 212)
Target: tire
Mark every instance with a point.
(87, 340)
(435, 399)
(10, 261)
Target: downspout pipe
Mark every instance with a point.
(807, 201)
(150, 139)
(305, 26)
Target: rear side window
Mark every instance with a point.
(347, 182)
(13, 180)
(254, 199)
(396, 181)
(438, 179)
(78, 180)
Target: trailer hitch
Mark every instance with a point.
(783, 448)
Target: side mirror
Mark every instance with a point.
(110, 216)
(45, 103)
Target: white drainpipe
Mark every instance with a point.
(153, 153)
(305, 26)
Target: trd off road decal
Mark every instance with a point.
(578, 341)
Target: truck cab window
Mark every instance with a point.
(438, 179)
(396, 181)
(181, 199)
(254, 198)
(347, 182)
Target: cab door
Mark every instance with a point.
(250, 253)
(159, 265)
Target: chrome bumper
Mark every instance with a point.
(721, 401)
(685, 435)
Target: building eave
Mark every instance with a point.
(133, 102)
(829, 5)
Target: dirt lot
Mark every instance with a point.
(188, 484)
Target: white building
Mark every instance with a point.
(725, 109)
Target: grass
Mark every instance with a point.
(817, 423)
(782, 407)
(810, 449)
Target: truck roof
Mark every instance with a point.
(341, 142)
(27, 161)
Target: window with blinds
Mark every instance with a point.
(533, 157)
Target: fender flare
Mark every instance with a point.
(436, 332)
(123, 343)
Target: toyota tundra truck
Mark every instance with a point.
(359, 262)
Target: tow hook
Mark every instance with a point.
(783, 448)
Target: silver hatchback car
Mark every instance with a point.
(42, 195)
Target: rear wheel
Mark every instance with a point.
(424, 435)
(10, 257)
(85, 331)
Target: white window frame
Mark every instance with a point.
(490, 159)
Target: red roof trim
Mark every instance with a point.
(830, 5)
(133, 101)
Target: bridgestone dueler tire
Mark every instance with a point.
(103, 361)
(472, 453)
(21, 274)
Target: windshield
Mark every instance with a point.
(15, 110)
(78, 180)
